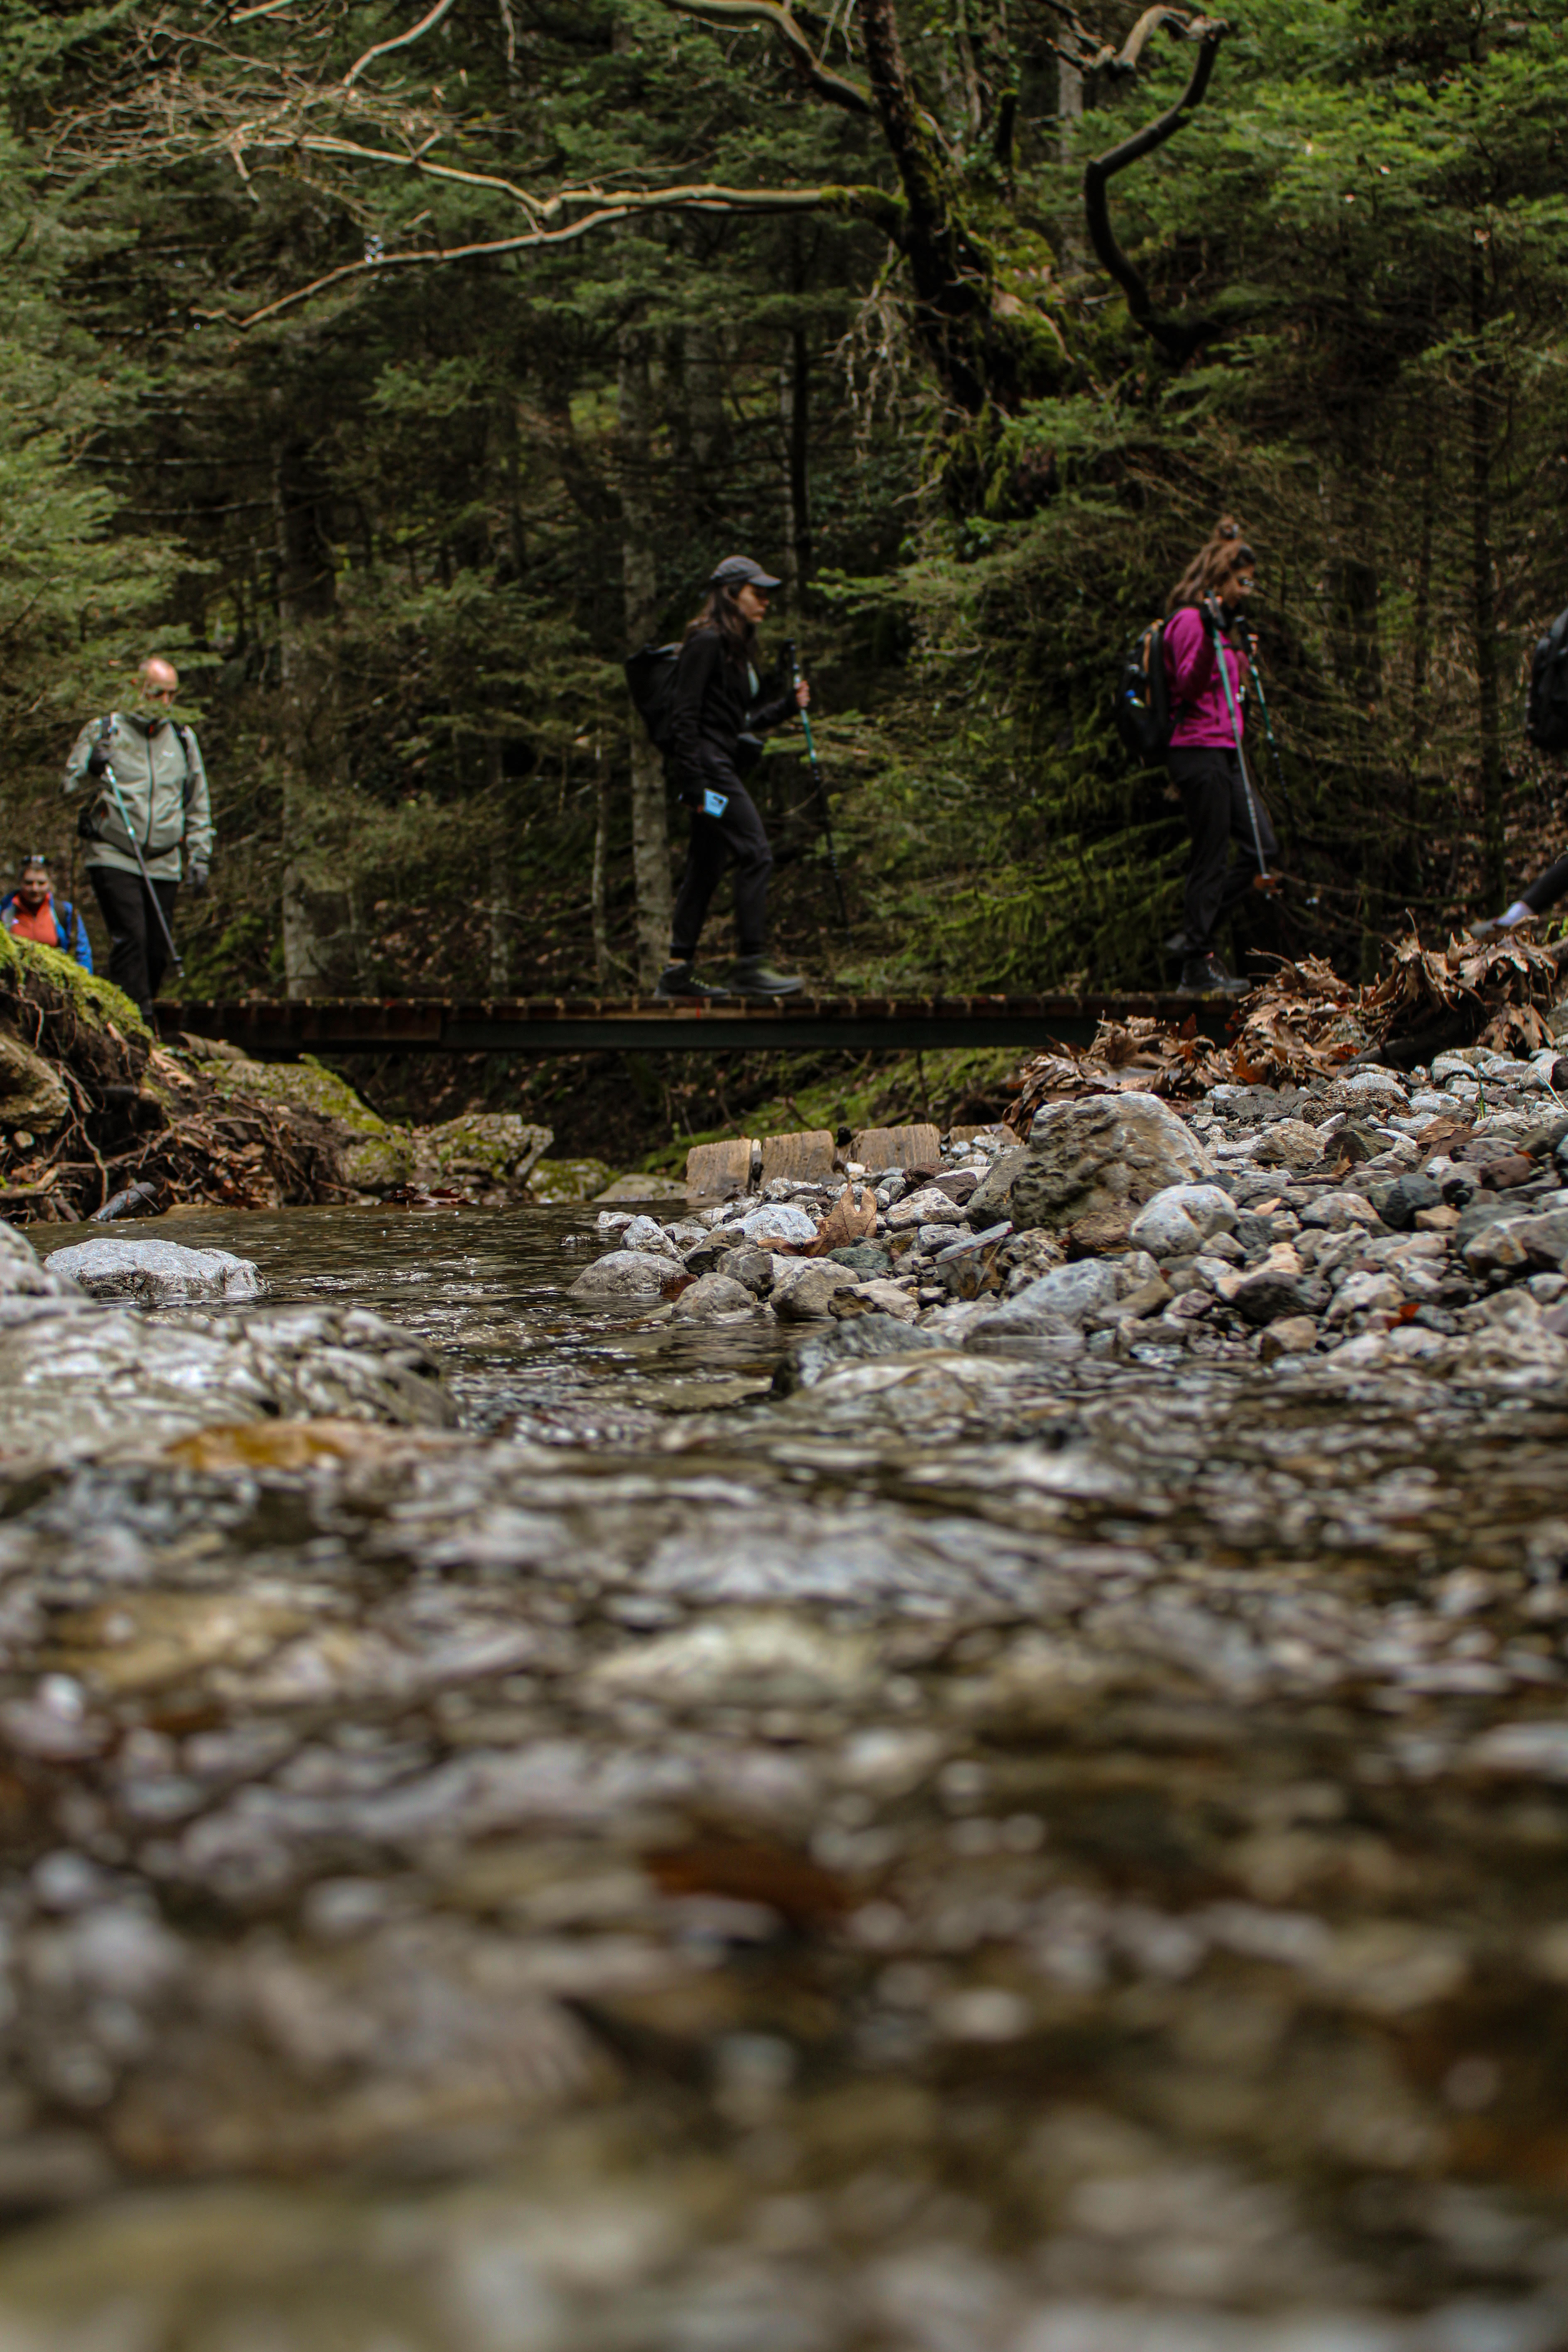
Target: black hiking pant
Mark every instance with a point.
(1215, 798)
(1547, 888)
(138, 951)
(736, 837)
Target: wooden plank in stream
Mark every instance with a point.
(715, 1171)
(807, 1157)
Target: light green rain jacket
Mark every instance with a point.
(163, 786)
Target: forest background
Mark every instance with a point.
(616, 287)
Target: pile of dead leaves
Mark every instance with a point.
(1497, 995)
(1304, 1022)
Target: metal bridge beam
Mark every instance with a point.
(587, 1024)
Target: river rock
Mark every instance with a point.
(1290, 1143)
(1269, 1294)
(809, 1296)
(647, 1233)
(78, 1382)
(623, 1274)
(779, 1221)
(156, 1273)
(24, 1275)
(712, 1297)
(860, 1341)
(1067, 1293)
(1292, 1335)
(1511, 1242)
(929, 1206)
(994, 1190)
(1088, 1155)
(1176, 1221)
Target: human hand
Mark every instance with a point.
(802, 696)
(197, 878)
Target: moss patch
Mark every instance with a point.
(97, 999)
(569, 1180)
(378, 1157)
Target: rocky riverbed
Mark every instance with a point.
(962, 1760)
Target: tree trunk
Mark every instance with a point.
(1483, 597)
(501, 898)
(315, 914)
(1070, 114)
(650, 822)
(601, 845)
(794, 418)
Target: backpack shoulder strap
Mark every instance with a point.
(189, 786)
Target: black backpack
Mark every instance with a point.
(1546, 707)
(1144, 699)
(650, 680)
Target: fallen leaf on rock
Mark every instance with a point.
(286, 1444)
(847, 1222)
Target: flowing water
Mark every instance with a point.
(980, 1854)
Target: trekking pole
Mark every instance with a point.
(1265, 880)
(1269, 731)
(821, 793)
(175, 957)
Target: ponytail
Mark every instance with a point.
(1223, 553)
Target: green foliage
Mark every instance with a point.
(399, 525)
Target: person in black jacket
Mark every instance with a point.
(716, 701)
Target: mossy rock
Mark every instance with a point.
(569, 1180)
(378, 1157)
(97, 1000)
(488, 1148)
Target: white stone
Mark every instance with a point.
(623, 1274)
(1176, 1220)
(647, 1233)
(778, 1221)
(155, 1273)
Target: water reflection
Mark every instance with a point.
(980, 1853)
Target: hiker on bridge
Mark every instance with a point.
(1206, 667)
(147, 821)
(717, 701)
(29, 912)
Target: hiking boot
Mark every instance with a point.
(677, 983)
(1513, 918)
(1204, 976)
(749, 976)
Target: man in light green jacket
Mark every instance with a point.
(148, 794)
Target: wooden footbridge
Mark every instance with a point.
(281, 1026)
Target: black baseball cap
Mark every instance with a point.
(738, 570)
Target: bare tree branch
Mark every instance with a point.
(404, 41)
(870, 203)
(776, 15)
(1179, 339)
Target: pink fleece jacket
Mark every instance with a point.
(1198, 696)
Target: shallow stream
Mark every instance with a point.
(981, 1854)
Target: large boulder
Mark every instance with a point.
(992, 1195)
(378, 1157)
(1088, 1155)
(490, 1150)
(156, 1273)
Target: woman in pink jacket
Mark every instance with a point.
(1220, 801)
